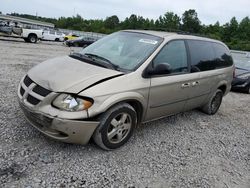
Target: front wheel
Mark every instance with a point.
(116, 127)
(214, 103)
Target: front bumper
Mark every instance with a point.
(65, 130)
(240, 84)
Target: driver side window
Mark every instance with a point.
(174, 54)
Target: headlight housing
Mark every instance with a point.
(69, 102)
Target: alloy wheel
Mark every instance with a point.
(119, 128)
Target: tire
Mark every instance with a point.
(116, 127)
(57, 39)
(248, 90)
(26, 39)
(214, 103)
(32, 38)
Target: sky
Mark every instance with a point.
(209, 11)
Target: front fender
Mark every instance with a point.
(103, 103)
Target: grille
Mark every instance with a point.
(21, 91)
(41, 91)
(37, 119)
(27, 81)
(33, 100)
(32, 92)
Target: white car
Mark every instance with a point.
(53, 35)
(29, 35)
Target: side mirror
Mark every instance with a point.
(162, 68)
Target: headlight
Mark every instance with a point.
(72, 103)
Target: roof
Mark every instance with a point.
(155, 33)
(164, 34)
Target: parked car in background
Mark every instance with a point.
(53, 35)
(29, 35)
(241, 81)
(124, 79)
(70, 37)
(81, 41)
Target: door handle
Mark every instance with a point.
(195, 83)
(185, 85)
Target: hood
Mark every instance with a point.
(65, 74)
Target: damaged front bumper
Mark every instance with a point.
(65, 130)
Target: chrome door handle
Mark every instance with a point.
(185, 85)
(195, 83)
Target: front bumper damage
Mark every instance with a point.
(65, 130)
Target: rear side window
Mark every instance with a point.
(202, 55)
(223, 57)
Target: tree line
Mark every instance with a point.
(235, 34)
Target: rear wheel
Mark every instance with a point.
(116, 127)
(214, 103)
(32, 38)
(57, 39)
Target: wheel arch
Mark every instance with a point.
(137, 102)
(137, 106)
(30, 34)
(223, 88)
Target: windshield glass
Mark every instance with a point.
(126, 50)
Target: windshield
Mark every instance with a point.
(126, 50)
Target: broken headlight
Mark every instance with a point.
(72, 103)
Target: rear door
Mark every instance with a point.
(169, 93)
(202, 60)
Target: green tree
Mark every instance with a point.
(169, 21)
(133, 22)
(191, 22)
(230, 30)
(112, 22)
(244, 29)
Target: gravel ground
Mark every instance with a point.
(190, 149)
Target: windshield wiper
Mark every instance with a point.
(108, 62)
(86, 59)
(242, 69)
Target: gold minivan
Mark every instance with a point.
(122, 80)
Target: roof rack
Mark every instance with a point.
(177, 31)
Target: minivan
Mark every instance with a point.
(124, 79)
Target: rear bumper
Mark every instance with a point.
(70, 131)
